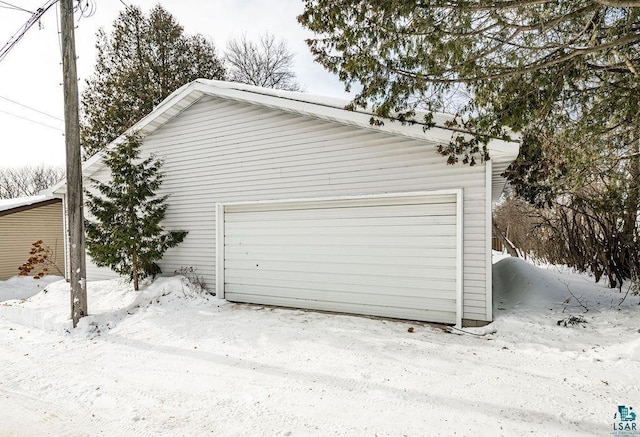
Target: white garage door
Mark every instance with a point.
(387, 256)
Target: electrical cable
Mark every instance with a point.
(17, 8)
(32, 121)
(29, 107)
(35, 17)
(87, 8)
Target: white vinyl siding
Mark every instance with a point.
(221, 151)
(95, 273)
(391, 256)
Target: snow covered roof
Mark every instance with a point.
(22, 202)
(326, 108)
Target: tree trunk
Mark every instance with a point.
(631, 211)
(511, 249)
(134, 269)
(633, 194)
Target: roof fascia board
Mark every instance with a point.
(316, 110)
(22, 208)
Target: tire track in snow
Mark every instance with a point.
(356, 390)
(25, 415)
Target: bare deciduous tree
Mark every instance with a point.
(267, 63)
(27, 180)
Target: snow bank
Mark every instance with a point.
(23, 287)
(540, 308)
(108, 301)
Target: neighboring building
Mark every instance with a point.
(24, 221)
(291, 200)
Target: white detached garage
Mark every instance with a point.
(291, 200)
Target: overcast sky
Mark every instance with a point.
(31, 74)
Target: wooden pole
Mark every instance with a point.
(75, 214)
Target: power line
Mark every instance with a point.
(17, 8)
(29, 107)
(87, 9)
(32, 121)
(35, 17)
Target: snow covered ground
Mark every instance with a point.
(171, 361)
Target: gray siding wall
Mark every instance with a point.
(224, 151)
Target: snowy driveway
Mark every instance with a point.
(181, 365)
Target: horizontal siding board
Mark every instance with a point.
(19, 230)
(95, 273)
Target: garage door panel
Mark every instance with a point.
(366, 230)
(329, 268)
(373, 310)
(369, 259)
(372, 212)
(393, 256)
(436, 290)
(235, 276)
(240, 252)
(340, 205)
(328, 296)
(391, 221)
(435, 242)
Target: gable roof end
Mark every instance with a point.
(326, 108)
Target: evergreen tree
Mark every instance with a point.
(537, 67)
(127, 235)
(144, 60)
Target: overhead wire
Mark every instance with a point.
(35, 17)
(15, 7)
(87, 9)
(31, 120)
(30, 108)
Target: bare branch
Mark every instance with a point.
(27, 180)
(267, 63)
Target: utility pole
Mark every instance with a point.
(75, 216)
